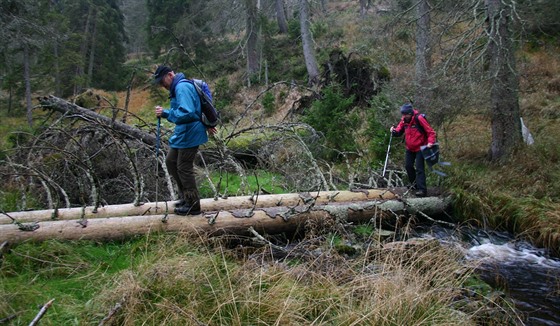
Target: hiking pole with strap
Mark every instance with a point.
(157, 158)
(387, 156)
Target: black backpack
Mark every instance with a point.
(418, 125)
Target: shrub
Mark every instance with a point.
(332, 117)
(268, 104)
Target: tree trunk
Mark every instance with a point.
(57, 88)
(27, 80)
(363, 8)
(324, 5)
(252, 39)
(308, 50)
(281, 17)
(79, 83)
(208, 204)
(270, 220)
(127, 99)
(423, 96)
(92, 51)
(65, 107)
(506, 124)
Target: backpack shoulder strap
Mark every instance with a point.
(418, 125)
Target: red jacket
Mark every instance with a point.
(413, 136)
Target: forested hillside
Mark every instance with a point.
(336, 69)
(307, 91)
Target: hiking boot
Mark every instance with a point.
(421, 193)
(181, 202)
(188, 209)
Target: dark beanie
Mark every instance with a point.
(161, 71)
(407, 109)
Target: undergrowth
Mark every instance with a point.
(520, 195)
(176, 280)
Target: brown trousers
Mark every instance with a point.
(180, 164)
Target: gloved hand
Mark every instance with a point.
(159, 111)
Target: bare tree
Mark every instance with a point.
(307, 40)
(506, 124)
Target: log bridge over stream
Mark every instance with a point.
(268, 214)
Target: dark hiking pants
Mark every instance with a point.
(180, 164)
(414, 164)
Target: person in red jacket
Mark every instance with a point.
(417, 132)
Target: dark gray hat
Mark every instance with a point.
(161, 71)
(407, 109)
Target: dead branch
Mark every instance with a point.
(108, 319)
(65, 107)
(42, 312)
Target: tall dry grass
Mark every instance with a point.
(186, 284)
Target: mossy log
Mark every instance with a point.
(208, 204)
(266, 220)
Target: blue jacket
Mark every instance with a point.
(185, 113)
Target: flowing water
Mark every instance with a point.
(528, 275)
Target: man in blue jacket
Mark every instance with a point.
(185, 112)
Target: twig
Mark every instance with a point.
(112, 312)
(261, 238)
(23, 226)
(212, 219)
(7, 319)
(43, 310)
(436, 221)
(3, 248)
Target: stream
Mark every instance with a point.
(528, 275)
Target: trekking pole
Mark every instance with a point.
(157, 157)
(387, 156)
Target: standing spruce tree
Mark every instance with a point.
(307, 41)
(98, 38)
(162, 17)
(423, 64)
(180, 25)
(252, 32)
(22, 35)
(107, 53)
(82, 45)
(506, 124)
(281, 17)
(135, 20)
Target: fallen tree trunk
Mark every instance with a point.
(208, 204)
(65, 107)
(270, 220)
